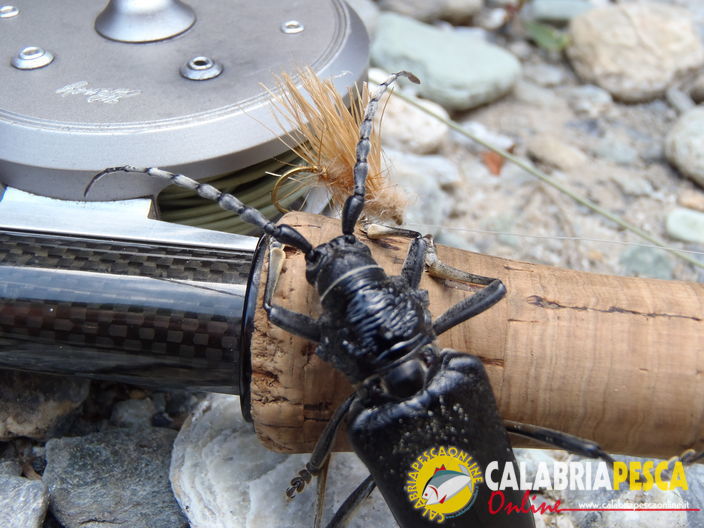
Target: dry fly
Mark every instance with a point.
(329, 132)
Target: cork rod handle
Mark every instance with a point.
(618, 360)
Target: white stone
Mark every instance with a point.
(634, 50)
(223, 477)
(683, 144)
(686, 224)
(482, 133)
(408, 128)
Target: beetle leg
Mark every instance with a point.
(420, 253)
(415, 262)
(351, 503)
(321, 451)
(559, 439)
(690, 456)
(436, 268)
(293, 322)
(471, 306)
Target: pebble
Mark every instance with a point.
(634, 50)
(614, 148)
(649, 262)
(133, 413)
(368, 11)
(23, 502)
(552, 151)
(521, 49)
(115, 477)
(558, 10)
(492, 19)
(223, 477)
(480, 131)
(454, 10)
(683, 144)
(589, 100)
(544, 74)
(531, 93)
(456, 70)
(685, 224)
(425, 178)
(38, 406)
(691, 199)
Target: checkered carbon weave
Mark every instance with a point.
(153, 314)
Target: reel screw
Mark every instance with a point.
(291, 27)
(201, 68)
(9, 11)
(31, 58)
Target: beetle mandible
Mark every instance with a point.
(411, 398)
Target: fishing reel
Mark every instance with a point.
(153, 83)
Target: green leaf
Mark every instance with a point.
(547, 37)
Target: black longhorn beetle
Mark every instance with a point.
(411, 398)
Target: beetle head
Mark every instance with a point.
(329, 261)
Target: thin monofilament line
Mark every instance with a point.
(420, 227)
(550, 181)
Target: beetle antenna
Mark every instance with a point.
(283, 233)
(355, 203)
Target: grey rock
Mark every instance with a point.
(683, 144)
(456, 70)
(38, 406)
(679, 100)
(544, 74)
(115, 478)
(615, 149)
(9, 463)
(589, 100)
(223, 476)
(482, 133)
(133, 413)
(454, 10)
(686, 224)
(558, 10)
(533, 94)
(646, 262)
(10, 467)
(368, 11)
(521, 49)
(23, 502)
(634, 50)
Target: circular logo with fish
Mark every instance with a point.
(442, 482)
